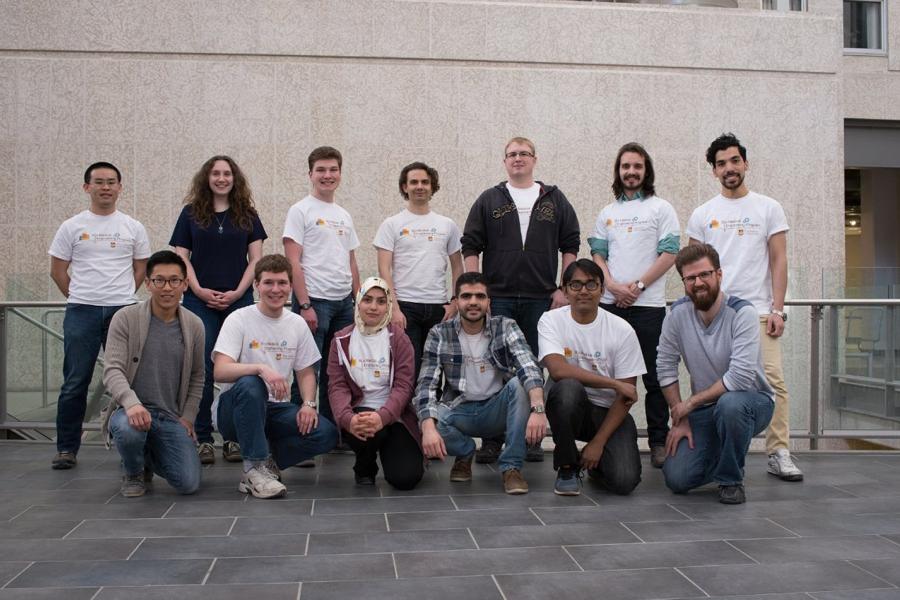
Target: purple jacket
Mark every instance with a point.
(344, 394)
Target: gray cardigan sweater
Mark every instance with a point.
(124, 347)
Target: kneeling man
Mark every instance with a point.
(490, 379)
(731, 401)
(154, 373)
(257, 349)
(593, 358)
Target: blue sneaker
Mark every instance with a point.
(568, 482)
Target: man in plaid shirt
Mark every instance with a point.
(491, 386)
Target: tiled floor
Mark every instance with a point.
(70, 535)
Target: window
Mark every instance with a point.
(784, 5)
(864, 25)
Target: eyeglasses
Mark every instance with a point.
(160, 283)
(522, 153)
(576, 285)
(704, 275)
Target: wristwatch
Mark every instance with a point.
(538, 410)
(640, 285)
(781, 314)
(305, 306)
(311, 403)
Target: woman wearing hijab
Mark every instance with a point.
(371, 381)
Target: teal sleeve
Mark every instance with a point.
(668, 244)
(601, 247)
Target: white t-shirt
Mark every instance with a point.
(421, 245)
(482, 379)
(524, 199)
(740, 230)
(101, 250)
(249, 337)
(325, 230)
(370, 366)
(608, 347)
(633, 230)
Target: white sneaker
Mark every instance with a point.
(782, 466)
(262, 483)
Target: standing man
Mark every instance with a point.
(731, 401)
(634, 242)
(155, 371)
(413, 249)
(478, 379)
(749, 231)
(258, 349)
(521, 226)
(97, 259)
(320, 243)
(593, 358)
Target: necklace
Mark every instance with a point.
(222, 222)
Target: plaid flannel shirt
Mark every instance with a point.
(442, 359)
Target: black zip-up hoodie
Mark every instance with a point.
(514, 269)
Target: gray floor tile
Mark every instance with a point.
(55, 549)
(531, 499)
(56, 496)
(615, 585)
(222, 546)
(655, 554)
(84, 593)
(483, 562)
(593, 514)
(819, 548)
(523, 536)
(382, 505)
(402, 541)
(9, 569)
(784, 577)
(162, 492)
(455, 519)
(750, 510)
(12, 508)
(887, 569)
(876, 490)
(266, 591)
(311, 568)
(789, 596)
(111, 572)
(685, 531)
(308, 524)
(252, 508)
(35, 528)
(129, 528)
(138, 508)
(888, 594)
(438, 588)
(841, 524)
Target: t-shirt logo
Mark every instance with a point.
(404, 231)
(85, 236)
(254, 344)
(609, 222)
(278, 356)
(353, 362)
(567, 352)
(376, 373)
(714, 224)
(320, 221)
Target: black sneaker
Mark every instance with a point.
(534, 453)
(732, 494)
(133, 486)
(489, 452)
(365, 479)
(231, 452)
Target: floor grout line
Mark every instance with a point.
(540, 520)
(17, 575)
(139, 544)
(306, 547)
(97, 593)
(474, 541)
(394, 561)
(882, 536)
(19, 514)
(569, 554)
(453, 502)
(168, 510)
(209, 571)
(80, 523)
(742, 552)
(499, 589)
(866, 571)
(312, 508)
(230, 529)
(681, 512)
(783, 527)
(387, 523)
(299, 590)
(691, 581)
(632, 532)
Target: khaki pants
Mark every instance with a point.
(778, 433)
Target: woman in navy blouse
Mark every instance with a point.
(220, 237)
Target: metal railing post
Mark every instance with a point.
(816, 407)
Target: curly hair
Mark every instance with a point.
(240, 199)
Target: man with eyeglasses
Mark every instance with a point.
(479, 378)
(520, 227)
(97, 259)
(717, 335)
(593, 358)
(154, 372)
(749, 230)
(635, 241)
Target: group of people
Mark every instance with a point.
(399, 370)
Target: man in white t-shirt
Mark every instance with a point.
(97, 259)
(257, 350)
(593, 359)
(519, 228)
(749, 231)
(320, 242)
(635, 241)
(413, 250)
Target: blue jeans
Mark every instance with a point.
(333, 315)
(722, 433)
(167, 448)
(212, 324)
(507, 412)
(84, 332)
(420, 318)
(526, 312)
(259, 426)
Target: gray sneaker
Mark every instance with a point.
(262, 483)
(231, 452)
(207, 453)
(732, 494)
(782, 466)
(568, 482)
(273, 468)
(658, 456)
(133, 486)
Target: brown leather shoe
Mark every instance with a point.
(514, 483)
(658, 456)
(462, 469)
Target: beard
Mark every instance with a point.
(705, 301)
(735, 185)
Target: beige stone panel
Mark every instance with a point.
(109, 103)
(8, 252)
(317, 27)
(65, 187)
(7, 183)
(258, 163)
(236, 105)
(893, 34)
(158, 192)
(400, 29)
(168, 100)
(8, 100)
(31, 271)
(294, 93)
(33, 171)
(458, 30)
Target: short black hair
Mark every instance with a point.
(586, 266)
(165, 257)
(432, 175)
(470, 278)
(101, 165)
(724, 142)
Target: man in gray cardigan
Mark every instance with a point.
(730, 401)
(154, 373)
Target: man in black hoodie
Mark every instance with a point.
(520, 226)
